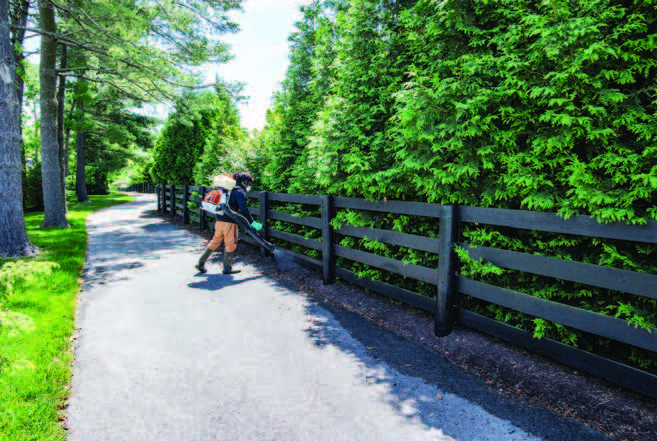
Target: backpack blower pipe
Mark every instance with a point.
(242, 222)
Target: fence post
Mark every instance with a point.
(201, 214)
(159, 202)
(328, 256)
(185, 200)
(173, 201)
(263, 220)
(163, 200)
(445, 295)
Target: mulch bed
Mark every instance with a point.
(505, 368)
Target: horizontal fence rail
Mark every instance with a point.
(421, 243)
(185, 201)
(601, 276)
(550, 222)
(594, 323)
(398, 207)
(143, 187)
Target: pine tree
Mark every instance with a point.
(13, 236)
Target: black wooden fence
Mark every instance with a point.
(143, 187)
(449, 284)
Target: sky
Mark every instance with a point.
(261, 54)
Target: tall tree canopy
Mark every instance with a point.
(545, 106)
(351, 145)
(195, 138)
(302, 94)
(548, 106)
(225, 135)
(146, 51)
(109, 135)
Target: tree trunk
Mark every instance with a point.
(80, 179)
(37, 124)
(13, 236)
(68, 135)
(53, 202)
(19, 20)
(63, 150)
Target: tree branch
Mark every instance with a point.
(94, 80)
(60, 38)
(83, 25)
(104, 52)
(218, 26)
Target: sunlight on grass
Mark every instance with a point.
(36, 325)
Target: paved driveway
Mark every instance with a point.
(164, 353)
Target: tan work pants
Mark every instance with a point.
(224, 232)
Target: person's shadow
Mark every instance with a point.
(215, 282)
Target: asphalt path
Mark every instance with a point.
(165, 353)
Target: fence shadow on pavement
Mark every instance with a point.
(412, 375)
(426, 387)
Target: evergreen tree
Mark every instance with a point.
(54, 201)
(542, 106)
(302, 94)
(13, 236)
(224, 137)
(539, 106)
(184, 138)
(351, 148)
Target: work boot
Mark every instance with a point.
(201, 262)
(228, 264)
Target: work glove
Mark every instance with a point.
(256, 226)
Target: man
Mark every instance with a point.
(225, 229)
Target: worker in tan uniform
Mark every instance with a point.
(225, 229)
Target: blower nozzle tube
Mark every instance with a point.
(242, 222)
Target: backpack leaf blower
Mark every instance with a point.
(216, 203)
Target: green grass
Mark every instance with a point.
(36, 356)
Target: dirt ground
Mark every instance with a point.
(506, 368)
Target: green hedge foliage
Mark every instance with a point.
(197, 139)
(544, 106)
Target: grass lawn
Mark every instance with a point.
(38, 321)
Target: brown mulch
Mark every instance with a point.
(507, 369)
